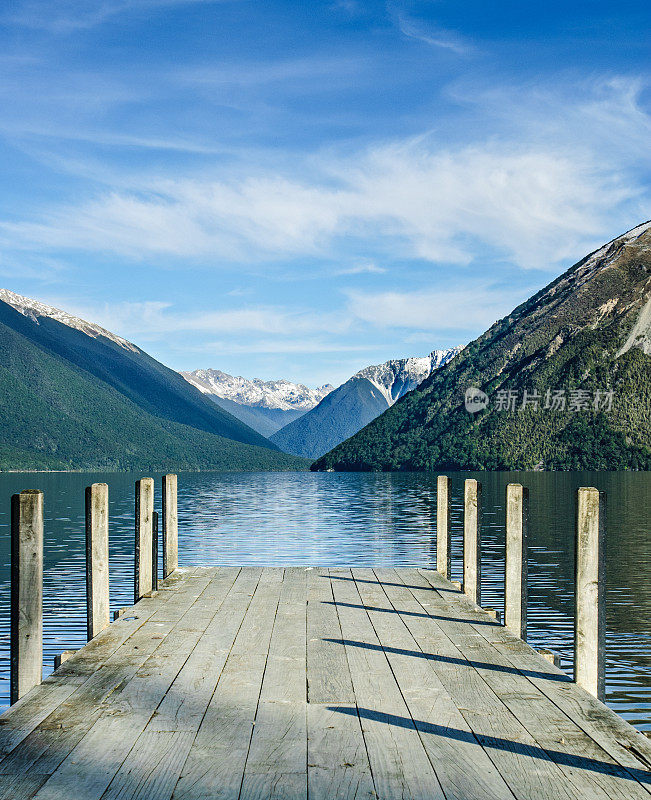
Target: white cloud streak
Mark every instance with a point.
(524, 199)
(66, 16)
(361, 269)
(471, 307)
(435, 35)
(152, 319)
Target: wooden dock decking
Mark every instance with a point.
(322, 683)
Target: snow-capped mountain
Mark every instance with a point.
(400, 375)
(265, 406)
(280, 394)
(366, 395)
(77, 396)
(35, 310)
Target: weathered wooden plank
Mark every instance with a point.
(328, 674)
(337, 761)
(446, 736)
(119, 724)
(215, 765)
(399, 763)
(202, 692)
(527, 768)
(49, 744)
(19, 786)
(603, 727)
(187, 699)
(276, 766)
(24, 717)
(583, 761)
(151, 769)
(586, 772)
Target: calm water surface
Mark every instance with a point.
(359, 520)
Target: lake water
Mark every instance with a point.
(359, 519)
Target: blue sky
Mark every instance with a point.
(282, 189)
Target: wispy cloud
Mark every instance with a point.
(361, 269)
(286, 346)
(66, 16)
(151, 319)
(532, 200)
(434, 35)
(470, 307)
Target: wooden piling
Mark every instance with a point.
(61, 658)
(515, 578)
(472, 540)
(97, 559)
(550, 656)
(443, 526)
(144, 537)
(589, 620)
(170, 525)
(26, 593)
(154, 552)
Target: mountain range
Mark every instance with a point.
(562, 382)
(344, 411)
(265, 406)
(76, 396)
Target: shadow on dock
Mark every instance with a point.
(495, 742)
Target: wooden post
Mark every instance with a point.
(443, 526)
(589, 620)
(97, 559)
(170, 525)
(515, 578)
(63, 657)
(154, 552)
(26, 593)
(472, 540)
(550, 656)
(144, 535)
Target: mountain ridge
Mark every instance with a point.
(280, 394)
(574, 335)
(351, 406)
(116, 408)
(265, 406)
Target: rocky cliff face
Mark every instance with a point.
(566, 378)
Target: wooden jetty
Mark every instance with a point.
(313, 682)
